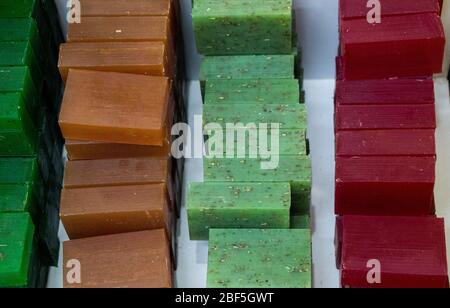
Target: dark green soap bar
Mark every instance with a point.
(286, 116)
(293, 169)
(18, 136)
(243, 26)
(16, 240)
(21, 54)
(249, 67)
(258, 91)
(300, 222)
(19, 198)
(237, 205)
(244, 258)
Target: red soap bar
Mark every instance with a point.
(360, 117)
(385, 92)
(401, 46)
(410, 250)
(385, 186)
(408, 142)
(349, 9)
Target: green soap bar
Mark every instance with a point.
(249, 67)
(287, 116)
(16, 239)
(243, 26)
(300, 222)
(19, 198)
(18, 135)
(235, 205)
(244, 258)
(268, 91)
(293, 169)
(290, 142)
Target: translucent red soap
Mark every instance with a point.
(392, 252)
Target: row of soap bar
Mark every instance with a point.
(31, 168)
(248, 81)
(385, 147)
(123, 71)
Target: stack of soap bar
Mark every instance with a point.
(410, 250)
(400, 46)
(243, 27)
(385, 128)
(133, 260)
(88, 212)
(233, 206)
(114, 107)
(245, 258)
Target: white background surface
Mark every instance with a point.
(317, 28)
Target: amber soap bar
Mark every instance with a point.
(114, 107)
(145, 58)
(89, 212)
(128, 260)
(126, 7)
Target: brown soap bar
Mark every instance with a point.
(85, 150)
(145, 58)
(89, 212)
(119, 172)
(126, 7)
(128, 260)
(117, 108)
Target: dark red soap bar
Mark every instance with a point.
(385, 92)
(349, 9)
(360, 117)
(400, 46)
(385, 185)
(410, 250)
(406, 142)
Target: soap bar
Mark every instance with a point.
(287, 116)
(85, 150)
(18, 135)
(19, 198)
(411, 251)
(234, 206)
(145, 58)
(21, 30)
(126, 7)
(349, 9)
(248, 67)
(409, 142)
(300, 222)
(243, 26)
(89, 212)
(293, 169)
(16, 238)
(246, 258)
(400, 46)
(264, 91)
(385, 92)
(133, 260)
(357, 117)
(388, 185)
(290, 142)
(114, 107)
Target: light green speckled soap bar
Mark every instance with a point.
(234, 27)
(249, 67)
(237, 205)
(287, 116)
(237, 91)
(293, 169)
(259, 259)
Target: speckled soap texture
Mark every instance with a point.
(295, 170)
(248, 67)
(257, 91)
(259, 259)
(224, 27)
(237, 205)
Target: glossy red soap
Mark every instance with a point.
(410, 252)
(385, 185)
(400, 46)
